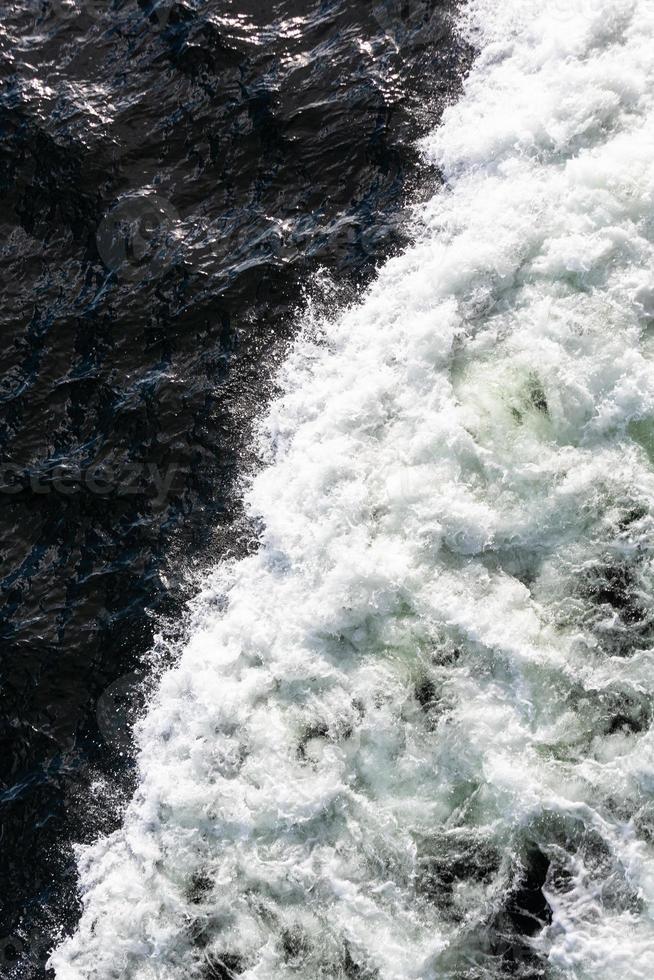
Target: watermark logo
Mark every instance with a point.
(11, 952)
(118, 708)
(398, 18)
(404, 485)
(18, 953)
(139, 237)
(99, 479)
(572, 10)
(159, 11)
(69, 10)
(75, 9)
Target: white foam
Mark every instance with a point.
(442, 646)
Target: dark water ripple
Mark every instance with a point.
(172, 176)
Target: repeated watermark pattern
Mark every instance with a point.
(139, 236)
(100, 480)
(117, 709)
(74, 9)
(397, 18)
(11, 951)
(17, 952)
(571, 10)
(157, 11)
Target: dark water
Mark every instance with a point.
(172, 178)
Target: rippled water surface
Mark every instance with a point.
(403, 728)
(173, 177)
(410, 735)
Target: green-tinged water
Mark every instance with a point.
(416, 742)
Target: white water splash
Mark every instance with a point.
(415, 742)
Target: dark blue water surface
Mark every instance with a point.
(172, 178)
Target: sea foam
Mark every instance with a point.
(413, 738)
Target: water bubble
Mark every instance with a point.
(137, 239)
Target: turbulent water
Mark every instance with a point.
(411, 736)
(275, 139)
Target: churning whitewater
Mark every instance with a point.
(411, 737)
